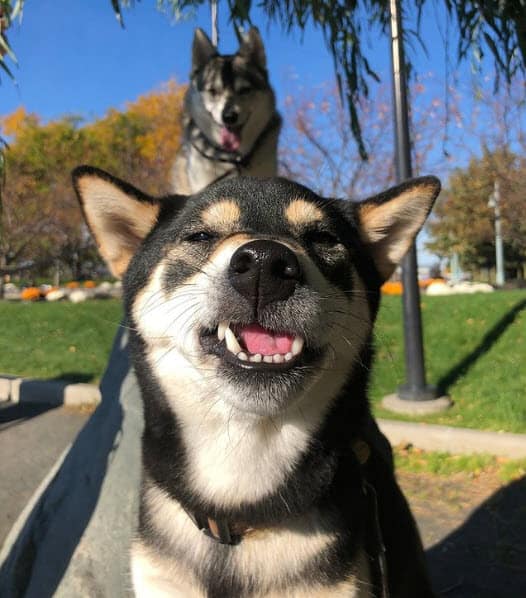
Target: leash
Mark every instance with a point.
(231, 533)
(375, 546)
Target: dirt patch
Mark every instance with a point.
(441, 504)
(474, 530)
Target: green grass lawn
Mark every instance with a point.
(447, 464)
(58, 340)
(475, 348)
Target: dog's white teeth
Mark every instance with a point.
(221, 329)
(297, 345)
(231, 342)
(242, 356)
(278, 358)
(257, 358)
(268, 359)
(288, 356)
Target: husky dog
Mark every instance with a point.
(251, 308)
(230, 122)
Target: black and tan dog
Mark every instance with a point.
(251, 307)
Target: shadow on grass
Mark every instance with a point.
(488, 340)
(486, 556)
(74, 377)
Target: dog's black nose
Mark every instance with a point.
(229, 116)
(264, 271)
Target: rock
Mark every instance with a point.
(103, 293)
(439, 288)
(472, 287)
(11, 292)
(461, 288)
(56, 295)
(78, 296)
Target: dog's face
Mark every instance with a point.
(229, 97)
(254, 296)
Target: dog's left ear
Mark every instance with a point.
(252, 48)
(118, 215)
(389, 222)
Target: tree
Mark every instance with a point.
(463, 221)
(38, 208)
(317, 146)
(41, 215)
(139, 143)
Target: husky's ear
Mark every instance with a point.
(202, 50)
(252, 48)
(389, 222)
(118, 215)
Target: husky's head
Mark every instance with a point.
(254, 296)
(229, 98)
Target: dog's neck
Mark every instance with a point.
(225, 471)
(207, 149)
(232, 532)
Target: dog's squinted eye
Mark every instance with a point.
(244, 90)
(321, 237)
(212, 91)
(199, 237)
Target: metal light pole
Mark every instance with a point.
(213, 18)
(494, 202)
(415, 388)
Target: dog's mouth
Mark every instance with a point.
(251, 346)
(230, 138)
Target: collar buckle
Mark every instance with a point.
(216, 529)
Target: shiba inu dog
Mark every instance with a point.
(251, 308)
(231, 125)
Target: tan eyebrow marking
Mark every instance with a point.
(300, 212)
(222, 214)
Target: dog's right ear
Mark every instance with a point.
(252, 48)
(389, 222)
(118, 215)
(202, 50)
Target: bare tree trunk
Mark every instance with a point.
(3, 264)
(56, 274)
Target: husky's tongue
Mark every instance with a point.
(259, 340)
(230, 141)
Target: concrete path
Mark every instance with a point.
(32, 437)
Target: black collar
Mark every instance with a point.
(232, 533)
(209, 150)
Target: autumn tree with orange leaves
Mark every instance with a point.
(40, 212)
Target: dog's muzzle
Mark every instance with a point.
(264, 272)
(264, 275)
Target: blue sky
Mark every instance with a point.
(74, 57)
